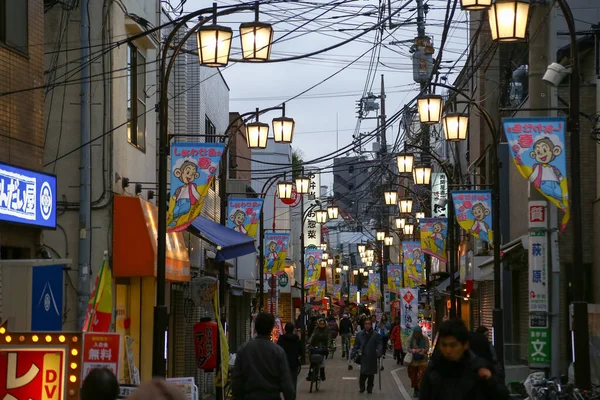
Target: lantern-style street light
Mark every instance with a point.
(430, 108)
(422, 174)
(409, 228)
(389, 241)
(365, 273)
(302, 184)
(391, 197)
(330, 261)
(284, 190)
(321, 216)
(214, 44)
(325, 256)
(338, 270)
(283, 128)
(455, 126)
(400, 221)
(333, 212)
(324, 246)
(371, 270)
(355, 272)
(406, 205)
(257, 38)
(257, 134)
(380, 236)
(345, 267)
(364, 259)
(362, 248)
(508, 20)
(370, 253)
(474, 5)
(405, 163)
(361, 270)
(420, 215)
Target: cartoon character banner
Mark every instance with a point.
(317, 291)
(409, 313)
(374, 291)
(433, 237)
(337, 291)
(414, 263)
(474, 213)
(312, 265)
(394, 276)
(276, 247)
(538, 148)
(353, 292)
(193, 168)
(244, 215)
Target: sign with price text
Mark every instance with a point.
(101, 350)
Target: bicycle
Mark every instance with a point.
(317, 356)
(346, 345)
(332, 349)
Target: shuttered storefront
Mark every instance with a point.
(482, 306)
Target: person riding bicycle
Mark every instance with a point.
(346, 330)
(320, 339)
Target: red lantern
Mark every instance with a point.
(206, 334)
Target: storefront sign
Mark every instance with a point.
(409, 310)
(439, 195)
(33, 374)
(538, 215)
(27, 197)
(101, 350)
(283, 279)
(538, 272)
(312, 230)
(47, 298)
(540, 340)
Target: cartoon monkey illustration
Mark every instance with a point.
(544, 176)
(238, 218)
(186, 196)
(310, 268)
(438, 237)
(272, 256)
(398, 278)
(480, 227)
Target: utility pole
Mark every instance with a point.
(85, 172)
(382, 152)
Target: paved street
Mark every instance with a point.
(343, 384)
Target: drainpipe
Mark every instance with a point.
(85, 169)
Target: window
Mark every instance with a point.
(209, 130)
(13, 24)
(136, 98)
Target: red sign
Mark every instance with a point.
(294, 200)
(101, 350)
(537, 214)
(28, 374)
(408, 297)
(206, 335)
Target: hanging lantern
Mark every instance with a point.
(283, 129)
(324, 246)
(455, 126)
(302, 184)
(400, 222)
(321, 216)
(422, 174)
(324, 256)
(355, 272)
(206, 335)
(338, 270)
(330, 261)
(380, 236)
(405, 163)
(430, 108)
(345, 267)
(409, 229)
(406, 205)
(389, 241)
(361, 270)
(420, 215)
(257, 134)
(371, 270)
(364, 259)
(333, 212)
(284, 190)
(508, 20)
(474, 5)
(214, 44)
(256, 38)
(362, 248)
(391, 197)
(365, 273)
(370, 253)
(370, 258)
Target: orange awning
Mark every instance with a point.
(135, 239)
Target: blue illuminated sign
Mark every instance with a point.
(27, 197)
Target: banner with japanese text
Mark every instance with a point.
(394, 278)
(433, 237)
(374, 292)
(244, 215)
(474, 213)
(317, 290)
(193, 168)
(353, 292)
(276, 247)
(337, 291)
(409, 313)
(414, 264)
(312, 264)
(537, 145)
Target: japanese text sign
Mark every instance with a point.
(312, 265)
(538, 272)
(312, 230)
(409, 310)
(193, 168)
(27, 374)
(27, 197)
(244, 215)
(276, 247)
(101, 350)
(538, 149)
(414, 263)
(433, 237)
(439, 193)
(394, 278)
(474, 213)
(374, 292)
(540, 342)
(538, 215)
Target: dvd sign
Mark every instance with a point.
(32, 374)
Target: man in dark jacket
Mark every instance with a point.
(368, 345)
(346, 330)
(261, 370)
(456, 373)
(290, 343)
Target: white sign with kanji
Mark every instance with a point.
(312, 230)
(538, 272)
(439, 193)
(538, 214)
(101, 350)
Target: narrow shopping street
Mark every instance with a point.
(343, 384)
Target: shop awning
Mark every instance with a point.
(504, 250)
(135, 240)
(229, 243)
(444, 284)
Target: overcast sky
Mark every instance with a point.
(330, 106)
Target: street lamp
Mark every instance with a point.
(362, 248)
(420, 215)
(405, 163)
(370, 259)
(338, 270)
(302, 185)
(455, 126)
(257, 134)
(391, 197)
(422, 174)
(284, 190)
(371, 270)
(370, 253)
(364, 259)
(321, 216)
(330, 261)
(257, 38)
(283, 128)
(400, 221)
(406, 205)
(430, 109)
(324, 246)
(361, 270)
(355, 272)
(365, 273)
(333, 212)
(214, 44)
(325, 256)
(345, 267)
(474, 5)
(389, 241)
(380, 236)
(409, 228)
(508, 20)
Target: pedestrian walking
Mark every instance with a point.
(419, 349)
(396, 338)
(480, 344)
(346, 330)
(261, 370)
(100, 384)
(320, 339)
(366, 351)
(291, 344)
(385, 328)
(456, 373)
